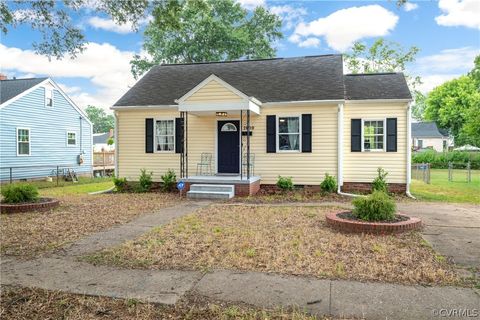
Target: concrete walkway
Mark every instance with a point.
(340, 298)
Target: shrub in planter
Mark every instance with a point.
(120, 184)
(379, 183)
(145, 181)
(18, 193)
(285, 183)
(329, 184)
(375, 207)
(169, 180)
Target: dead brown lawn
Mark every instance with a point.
(27, 234)
(26, 303)
(291, 240)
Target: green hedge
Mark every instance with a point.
(440, 160)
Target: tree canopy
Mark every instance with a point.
(207, 30)
(455, 105)
(100, 120)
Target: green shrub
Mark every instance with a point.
(329, 184)
(145, 181)
(375, 207)
(120, 184)
(440, 160)
(169, 180)
(17, 193)
(285, 183)
(379, 183)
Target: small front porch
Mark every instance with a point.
(243, 186)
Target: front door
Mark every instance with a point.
(228, 151)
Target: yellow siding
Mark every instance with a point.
(362, 166)
(213, 92)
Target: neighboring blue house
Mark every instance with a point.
(40, 129)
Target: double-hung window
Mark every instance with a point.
(23, 142)
(373, 135)
(164, 135)
(289, 133)
(71, 138)
(48, 97)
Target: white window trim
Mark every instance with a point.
(76, 138)
(53, 100)
(155, 136)
(277, 131)
(29, 142)
(384, 120)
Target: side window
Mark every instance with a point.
(165, 135)
(288, 134)
(71, 138)
(373, 135)
(23, 142)
(48, 97)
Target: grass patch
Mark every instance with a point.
(440, 189)
(76, 189)
(29, 303)
(290, 240)
(28, 234)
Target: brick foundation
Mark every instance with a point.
(366, 187)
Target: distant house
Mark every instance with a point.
(41, 128)
(100, 141)
(428, 135)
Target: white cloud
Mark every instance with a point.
(434, 80)
(410, 6)
(464, 13)
(110, 25)
(291, 16)
(448, 60)
(106, 67)
(252, 4)
(343, 27)
(309, 43)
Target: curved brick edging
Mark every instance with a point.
(355, 226)
(42, 205)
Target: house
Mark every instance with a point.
(428, 135)
(100, 141)
(41, 129)
(256, 120)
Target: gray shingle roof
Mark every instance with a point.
(376, 86)
(427, 130)
(13, 87)
(269, 80)
(101, 137)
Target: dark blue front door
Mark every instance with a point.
(228, 151)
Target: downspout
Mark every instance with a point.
(340, 152)
(409, 150)
(115, 138)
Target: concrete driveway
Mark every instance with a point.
(452, 229)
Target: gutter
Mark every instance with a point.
(115, 137)
(409, 150)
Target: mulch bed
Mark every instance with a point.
(41, 204)
(351, 216)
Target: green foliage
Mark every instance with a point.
(18, 193)
(475, 73)
(169, 180)
(377, 206)
(455, 105)
(101, 121)
(206, 30)
(145, 181)
(329, 184)
(379, 183)
(121, 184)
(285, 183)
(440, 160)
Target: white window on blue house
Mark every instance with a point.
(48, 97)
(71, 138)
(23, 142)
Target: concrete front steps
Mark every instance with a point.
(211, 191)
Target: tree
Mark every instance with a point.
(207, 30)
(101, 121)
(475, 73)
(455, 105)
(59, 35)
(387, 56)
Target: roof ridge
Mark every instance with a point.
(16, 79)
(371, 74)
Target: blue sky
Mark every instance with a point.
(446, 31)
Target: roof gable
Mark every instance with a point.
(212, 88)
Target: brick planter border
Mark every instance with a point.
(43, 204)
(355, 226)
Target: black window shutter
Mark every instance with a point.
(392, 135)
(306, 133)
(179, 135)
(271, 134)
(356, 135)
(149, 135)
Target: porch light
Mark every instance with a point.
(221, 114)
